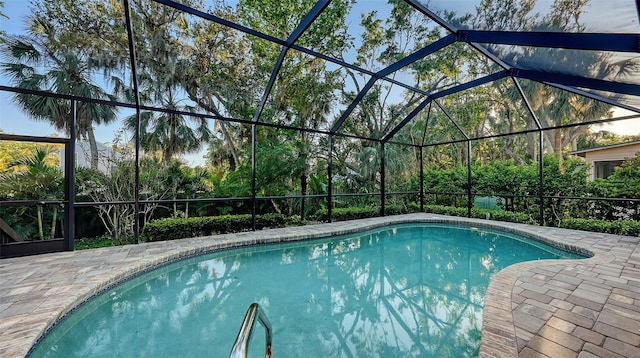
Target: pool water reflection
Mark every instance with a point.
(402, 291)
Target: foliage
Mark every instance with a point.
(44, 60)
(353, 213)
(101, 241)
(505, 177)
(619, 227)
(602, 138)
(2, 32)
(446, 210)
(11, 150)
(446, 181)
(626, 178)
(160, 74)
(157, 182)
(30, 177)
(479, 213)
(623, 183)
(179, 228)
(170, 134)
(516, 184)
(184, 182)
(189, 64)
(553, 106)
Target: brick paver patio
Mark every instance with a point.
(562, 308)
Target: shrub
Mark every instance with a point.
(501, 215)
(620, 227)
(102, 241)
(395, 210)
(342, 214)
(179, 228)
(414, 207)
(353, 213)
(478, 213)
(446, 210)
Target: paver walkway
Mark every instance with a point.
(562, 308)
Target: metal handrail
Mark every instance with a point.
(241, 345)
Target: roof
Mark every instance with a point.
(605, 147)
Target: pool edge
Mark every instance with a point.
(499, 333)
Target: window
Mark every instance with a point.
(604, 169)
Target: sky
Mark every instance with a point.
(12, 120)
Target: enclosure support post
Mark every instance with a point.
(382, 179)
(469, 196)
(422, 179)
(541, 176)
(253, 176)
(70, 189)
(330, 180)
(134, 78)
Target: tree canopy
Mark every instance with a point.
(277, 92)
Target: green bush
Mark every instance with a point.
(354, 213)
(517, 186)
(395, 210)
(501, 215)
(452, 180)
(179, 228)
(414, 207)
(620, 227)
(102, 241)
(478, 213)
(342, 214)
(446, 210)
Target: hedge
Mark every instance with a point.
(180, 228)
(619, 227)
(479, 213)
(343, 214)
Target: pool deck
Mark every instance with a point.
(561, 308)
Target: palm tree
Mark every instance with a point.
(161, 68)
(33, 178)
(170, 133)
(2, 33)
(42, 61)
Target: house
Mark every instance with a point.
(106, 157)
(604, 159)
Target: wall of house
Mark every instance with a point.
(106, 157)
(610, 154)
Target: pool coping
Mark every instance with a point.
(37, 291)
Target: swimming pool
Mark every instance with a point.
(407, 290)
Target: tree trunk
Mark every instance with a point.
(93, 148)
(303, 176)
(231, 144)
(167, 151)
(532, 141)
(548, 143)
(223, 128)
(53, 223)
(303, 189)
(8, 230)
(275, 207)
(175, 207)
(116, 229)
(40, 230)
(557, 145)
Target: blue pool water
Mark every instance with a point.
(403, 291)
